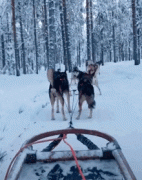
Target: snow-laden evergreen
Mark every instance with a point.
(62, 29)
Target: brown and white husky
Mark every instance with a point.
(59, 86)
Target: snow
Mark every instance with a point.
(25, 111)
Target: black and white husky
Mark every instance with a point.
(86, 92)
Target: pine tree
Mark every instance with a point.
(52, 39)
(67, 39)
(35, 38)
(17, 61)
(22, 39)
(135, 50)
(46, 35)
(88, 30)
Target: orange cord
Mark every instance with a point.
(74, 155)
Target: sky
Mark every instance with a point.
(25, 111)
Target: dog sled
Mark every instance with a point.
(90, 163)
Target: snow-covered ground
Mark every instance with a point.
(25, 111)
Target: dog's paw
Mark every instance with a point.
(64, 119)
(77, 117)
(57, 111)
(52, 118)
(70, 111)
(89, 117)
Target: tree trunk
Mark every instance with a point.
(3, 50)
(46, 36)
(88, 31)
(139, 10)
(52, 34)
(102, 48)
(63, 36)
(114, 48)
(22, 40)
(78, 55)
(8, 35)
(92, 38)
(126, 51)
(35, 37)
(135, 57)
(129, 51)
(79, 52)
(15, 39)
(94, 48)
(67, 35)
(122, 51)
(138, 33)
(110, 53)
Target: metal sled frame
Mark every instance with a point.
(114, 153)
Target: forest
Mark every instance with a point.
(38, 33)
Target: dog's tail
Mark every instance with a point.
(50, 73)
(92, 105)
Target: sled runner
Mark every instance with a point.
(90, 163)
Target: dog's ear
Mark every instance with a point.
(50, 73)
(80, 75)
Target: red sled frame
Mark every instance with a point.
(14, 171)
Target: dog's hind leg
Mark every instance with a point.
(90, 115)
(62, 103)
(81, 100)
(97, 85)
(91, 104)
(71, 81)
(52, 99)
(75, 80)
(68, 100)
(57, 111)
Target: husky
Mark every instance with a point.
(74, 75)
(59, 86)
(95, 69)
(86, 92)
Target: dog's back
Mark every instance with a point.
(85, 87)
(60, 81)
(85, 84)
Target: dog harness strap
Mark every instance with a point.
(53, 144)
(87, 142)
